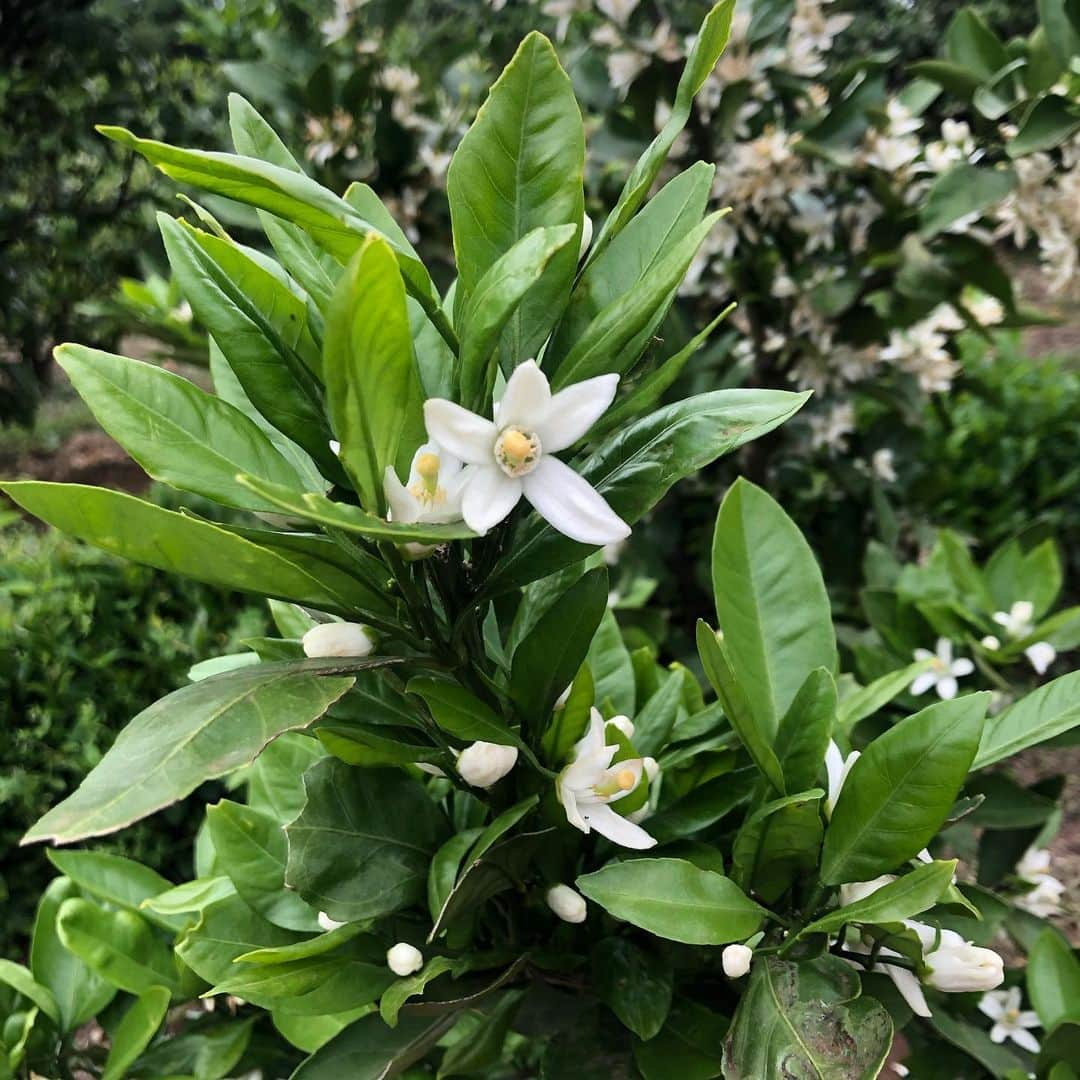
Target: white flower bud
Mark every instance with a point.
(736, 960)
(990, 642)
(586, 235)
(338, 639)
(327, 923)
(624, 725)
(962, 968)
(485, 763)
(403, 959)
(566, 903)
(651, 767)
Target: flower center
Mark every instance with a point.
(1011, 1016)
(428, 490)
(517, 452)
(938, 665)
(625, 778)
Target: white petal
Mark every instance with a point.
(944, 649)
(1042, 654)
(947, 688)
(992, 1004)
(1002, 619)
(569, 802)
(909, 986)
(617, 829)
(963, 666)
(489, 496)
(998, 1033)
(574, 410)
(1024, 1039)
(923, 654)
(463, 433)
(526, 398)
(1022, 611)
(572, 505)
(834, 768)
(403, 507)
(923, 683)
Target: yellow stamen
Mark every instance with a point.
(427, 465)
(626, 779)
(517, 445)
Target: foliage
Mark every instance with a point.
(474, 825)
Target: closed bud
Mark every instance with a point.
(736, 960)
(566, 903)
(338, 639)
(963, 968)
(403, 959)
(485, 763)
(327, 923)
(624, 725)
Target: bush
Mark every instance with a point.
(87, 642)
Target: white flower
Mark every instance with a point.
(943, 673)
(987, 310)
(1041, 655)
(991, 642)
(1045, 898)
(736, 960)
(513, 455)
(906, 982)
(433, 493)
(1017, 623)
(589, 783)
(900, 1070)
(1003, 1007)
(338, 639)
(486, 763)
(624, 66)
(837, 766)
(617, 10)
(881, 464)
(567, 904)
(901, 120)
(958, 967)
(327, 923)
(403, 959)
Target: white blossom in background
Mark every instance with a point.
(986, 310)
(486, 763)
(512, 456)
(830, 430)
(944, 671)
(590, 783)
(1044, 898)
(1017, 624)
(618, 11)
(568, 904)
(562, 11)
(1010, 1022)
(882, 465)
(404, 959)
(338, 639)
(920, 350)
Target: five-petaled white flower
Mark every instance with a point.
(590, 782)
(944, 671)
(1017, 623)
(1003, 1007)
(1044, 899)
(513, 455)
(433, 493)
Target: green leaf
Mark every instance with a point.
(256, 322)
(275, 782)
(253, 850)
(770, 601)
(400, 991)
(254, 137)
(688, 1046)
(964, 189)
(975, 1042)
(1053, 980)
(191, 896)
(195, 734)
(636, 467)
(206, 1053)
(80, 994)
(444, 868)
(915, 892)
(309, 1033)
(552, 652)
(1051, 710)
(789, 1024)
(520, 167)
(569, 722)
(362, 845)
(134, 1032)
(22, 982)
(673, 899)
(373, 388)
(118, 945)
(1035, 575)
(634, 983)
(710, 42)
(498, 294)
(148, 534)
(460, 713)
(482, 1048)
(614, 340)
(867, 700)
(612, 669)
(654, 721)
(900, 791)
(971, 44)
(1047, 124)
(705, 805)
(1062, 30)
(369, 1050)
(779, 842)
(178, 433)
(718, 670)
(803, 735)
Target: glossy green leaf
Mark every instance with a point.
(22, 982)
(636, 467)
(253, 851)
(674, 899)
(971, 44)
(498, 294)
(79, 993)
(362, 845)
(195, 734)
(411, 985)
(900, 791)
(548, 658)
(804, 731)
(612, 669)
(137, 530)
(1059, 20)
(569, 722)
(460, 713)
(134, 1032)
(179, 434)
(369, 1050)
(770, 601)
(777, 844)
(909, 895)
(1053, 980)
(520, 167)
(118, 945)
(786, 1023)
(654, 721)
(210, 1052)
(689, 1045)
(868, 699)
(305, 949)
(964, 189)
(444, 868)
(309, 1033)
(373, 388)
(191, 896)
(705, 805)
(1050, 710)
(708, 45)
(1048, 123)
(634, 983)
(482, 1048)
